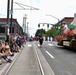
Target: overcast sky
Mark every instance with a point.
(56, 8)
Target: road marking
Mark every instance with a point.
(38, 45)
(49, 54)
(29, 45)
(65, 72)
(50, 44)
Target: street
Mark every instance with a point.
(61, 60)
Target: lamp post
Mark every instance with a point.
(58, 22)
(52, 16)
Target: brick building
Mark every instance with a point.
(15, 28)
(66, 20)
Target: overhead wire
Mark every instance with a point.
(21, 5)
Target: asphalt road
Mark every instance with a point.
(61, 60)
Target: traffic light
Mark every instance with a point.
(48, 25)
(38, 25)
(43, 24)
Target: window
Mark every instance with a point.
(12, 30)
(2, 29)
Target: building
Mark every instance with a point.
(14, 29)
(66, 20)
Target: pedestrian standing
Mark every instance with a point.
(40, 41)
(18, 42)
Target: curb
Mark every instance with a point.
(8, 66)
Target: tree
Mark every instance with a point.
(51, 33)
(40, 32)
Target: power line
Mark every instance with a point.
(23, 8)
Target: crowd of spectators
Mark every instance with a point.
(8, 49)
(37, 38)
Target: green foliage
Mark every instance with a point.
(52, 32)
(45, 35)
(40, 32)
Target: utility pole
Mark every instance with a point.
(24, 23)
(11, 16)
(27, 28)
(7, 26)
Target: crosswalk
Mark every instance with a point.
(50, 44)
(29, 45)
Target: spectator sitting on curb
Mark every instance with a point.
(13, 46)
(2, 52)
(7, 49)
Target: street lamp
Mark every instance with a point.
(52, 16)
(58, 22)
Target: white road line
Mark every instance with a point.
(38, 45)
(29, 45)
(49, 54)
(50, 44)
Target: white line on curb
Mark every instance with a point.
(39, 62)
